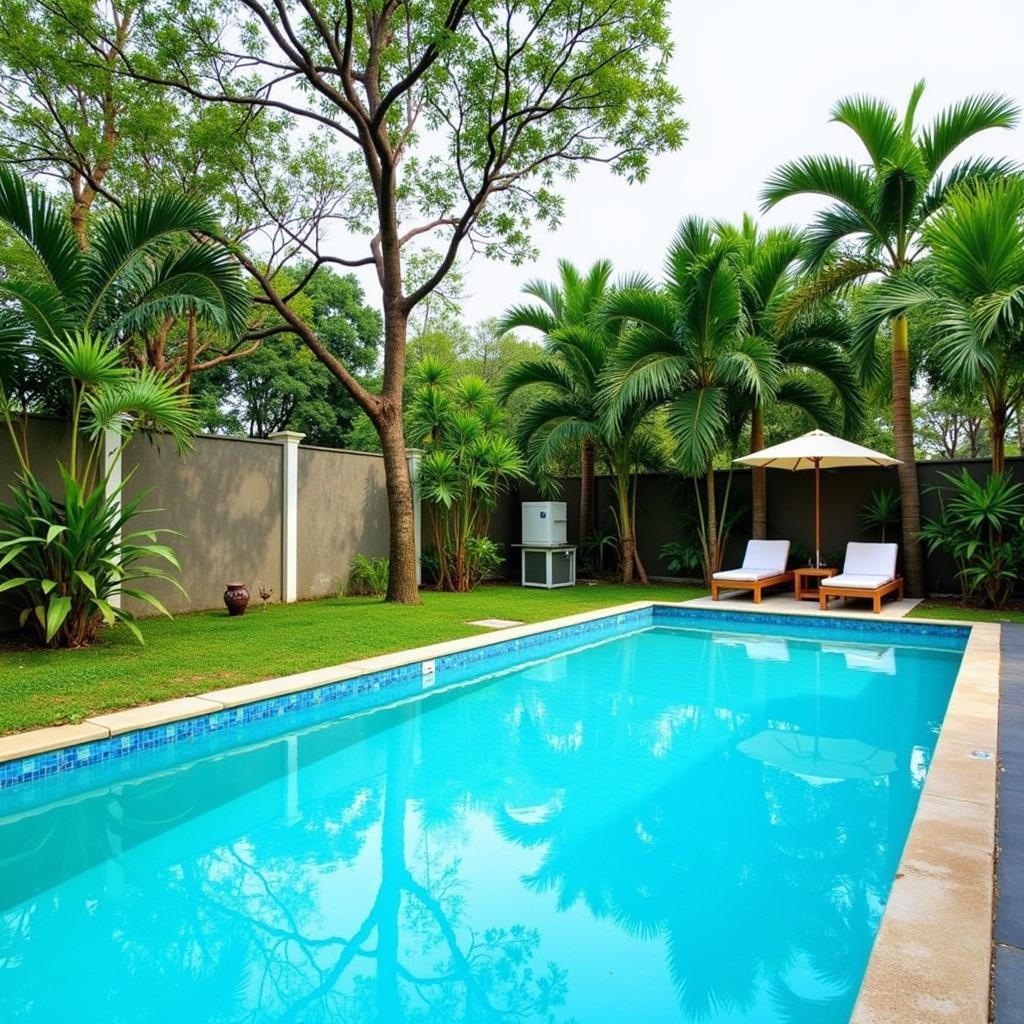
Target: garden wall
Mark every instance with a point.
(226, 497)
(663, 502)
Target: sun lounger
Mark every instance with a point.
(764, 565)
(869, 571)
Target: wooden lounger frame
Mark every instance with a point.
(755, 585)
(874, 593)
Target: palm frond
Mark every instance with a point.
(963, 120)
(697, 420)
(875, 123)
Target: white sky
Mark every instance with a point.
(758, 80)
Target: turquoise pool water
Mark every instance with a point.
(676, 824)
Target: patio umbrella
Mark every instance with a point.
(817, 450)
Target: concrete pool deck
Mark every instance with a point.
(931, 961)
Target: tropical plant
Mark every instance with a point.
(972, 285)
(577, 341)
(686, 349)
(980, 525)
(368, 575)
(873, 228)
(431, 129)
(881, 512)
(814, 370)
(595, 548)
(68, 558)
(580, 342)
(466, 465)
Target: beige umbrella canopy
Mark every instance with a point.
(817, 450)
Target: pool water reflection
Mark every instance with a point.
(673, 825)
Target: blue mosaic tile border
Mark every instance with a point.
(375, 689)
(894, 628)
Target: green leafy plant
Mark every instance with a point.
(68, 557)
(596, 548)
(467, 463)
(369, 575)
(882, 512)
(67, 562)
(980, 526)
(878, 203)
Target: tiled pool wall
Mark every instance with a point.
(163, 746)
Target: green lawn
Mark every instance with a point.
(208, 650)
(951, 610)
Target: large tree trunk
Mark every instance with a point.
(997, 427)
(758, 484)
(711, 525)
(586, 491)
(627, 541)
(402, 539)
(903, 440)
(402, 587)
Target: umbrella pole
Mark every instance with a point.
(817, 513)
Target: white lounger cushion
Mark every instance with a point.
(856, 581)
(766, 555)
(747, 575)
(870, 560)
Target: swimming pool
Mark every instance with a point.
(663, 817)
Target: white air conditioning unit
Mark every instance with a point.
(544, 523)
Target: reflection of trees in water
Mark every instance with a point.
(607, 785)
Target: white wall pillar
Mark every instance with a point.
(112, 472)
(289, 512)
(413, 455)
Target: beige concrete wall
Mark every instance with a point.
(343, 511)
(47, 442)
(225, 497)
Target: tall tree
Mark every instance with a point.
(972, 283)
(437, 122)
(68, 117)
(578, 342)
(688, 350)
(810, 349)
(874, 224)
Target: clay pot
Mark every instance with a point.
(236, 597)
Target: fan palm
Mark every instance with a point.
(686, 349)
(874, 227)
(576, 346)
(972, 287)
(810, 349)
(68, 559)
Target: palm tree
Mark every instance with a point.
(972, 285)
(69, 557)
(810, 349)
(576, 345)
(572, 370)
(686, 349)
(873, 227)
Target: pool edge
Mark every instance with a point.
(931, 959)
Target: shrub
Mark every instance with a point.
(369, 576)
(980, 526)
(467, 463)
(881, 512)
(67, 560)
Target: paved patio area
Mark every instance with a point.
(782, 602)
(1009, 926)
